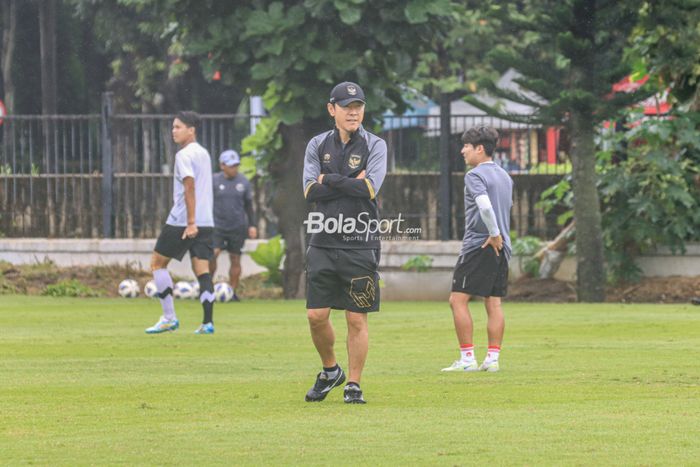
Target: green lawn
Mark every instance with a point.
(80, 383)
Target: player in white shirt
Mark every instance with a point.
(189, 227)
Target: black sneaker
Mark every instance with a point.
(695, 300)
(353, 394)
(323, 385)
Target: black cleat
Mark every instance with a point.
(323, 385)
(695, 300)
(353, 394)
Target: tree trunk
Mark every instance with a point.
(590, 269)
(47, 29)
(288, 202)
(9, 27)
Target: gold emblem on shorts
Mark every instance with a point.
(354, 161)
(362, 291)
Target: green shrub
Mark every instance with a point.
(420, 263)
(71, 288)
(269, 255)
(525, 248)
(648, 192)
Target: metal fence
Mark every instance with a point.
(52, 169)
(523, 148)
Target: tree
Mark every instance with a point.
(293, 53)
(569, 54)
(8, 13)
(47, 30)
(666, 44)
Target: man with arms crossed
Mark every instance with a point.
(482, 267)
(343, 171)
(189, 227)
(233, 215)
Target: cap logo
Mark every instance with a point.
(352, 90)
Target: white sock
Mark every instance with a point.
(164, 282)
(493, 352)
(467, 352)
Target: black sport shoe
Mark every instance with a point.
(323, 385)
(353, 394)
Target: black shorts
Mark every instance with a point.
(342, 279)
(481, 272)
(229, 240)
(171, 244)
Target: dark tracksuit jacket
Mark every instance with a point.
(341, 193)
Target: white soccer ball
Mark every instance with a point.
(223, 292)
(150, 290)
(195, 289)
(129, 288)
(183, 289)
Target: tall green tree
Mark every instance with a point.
(666, 44)
(292, 53)
(570, 53)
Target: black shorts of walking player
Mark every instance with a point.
(229, 240)
(481, 272)
(171, 244)
(342, 279)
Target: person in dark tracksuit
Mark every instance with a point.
(344, 169)
(233, 215)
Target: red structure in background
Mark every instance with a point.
(552, 144)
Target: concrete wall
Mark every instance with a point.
(398, 284)
(86, 252)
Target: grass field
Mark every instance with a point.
(80, 383)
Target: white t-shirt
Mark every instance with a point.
(193, 161)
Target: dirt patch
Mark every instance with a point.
(103, 280)
(32, 279)
(673, 289)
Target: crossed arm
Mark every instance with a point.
(324, 187)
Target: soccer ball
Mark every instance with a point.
(195, 289)
(129, 288)
(150, 290)
(183, 289)
(223, 292)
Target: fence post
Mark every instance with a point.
(445, 169)
(107, 172)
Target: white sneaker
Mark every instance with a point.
(163, 325)
(460, 365)
(489, 365)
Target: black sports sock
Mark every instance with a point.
(331, 369)
(206, 296)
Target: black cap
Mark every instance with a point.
(345, 93)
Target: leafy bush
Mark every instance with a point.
(648, 191)
(525, 248)
(420, 263)
(71, 288)
(650, 197)
(269, 255)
